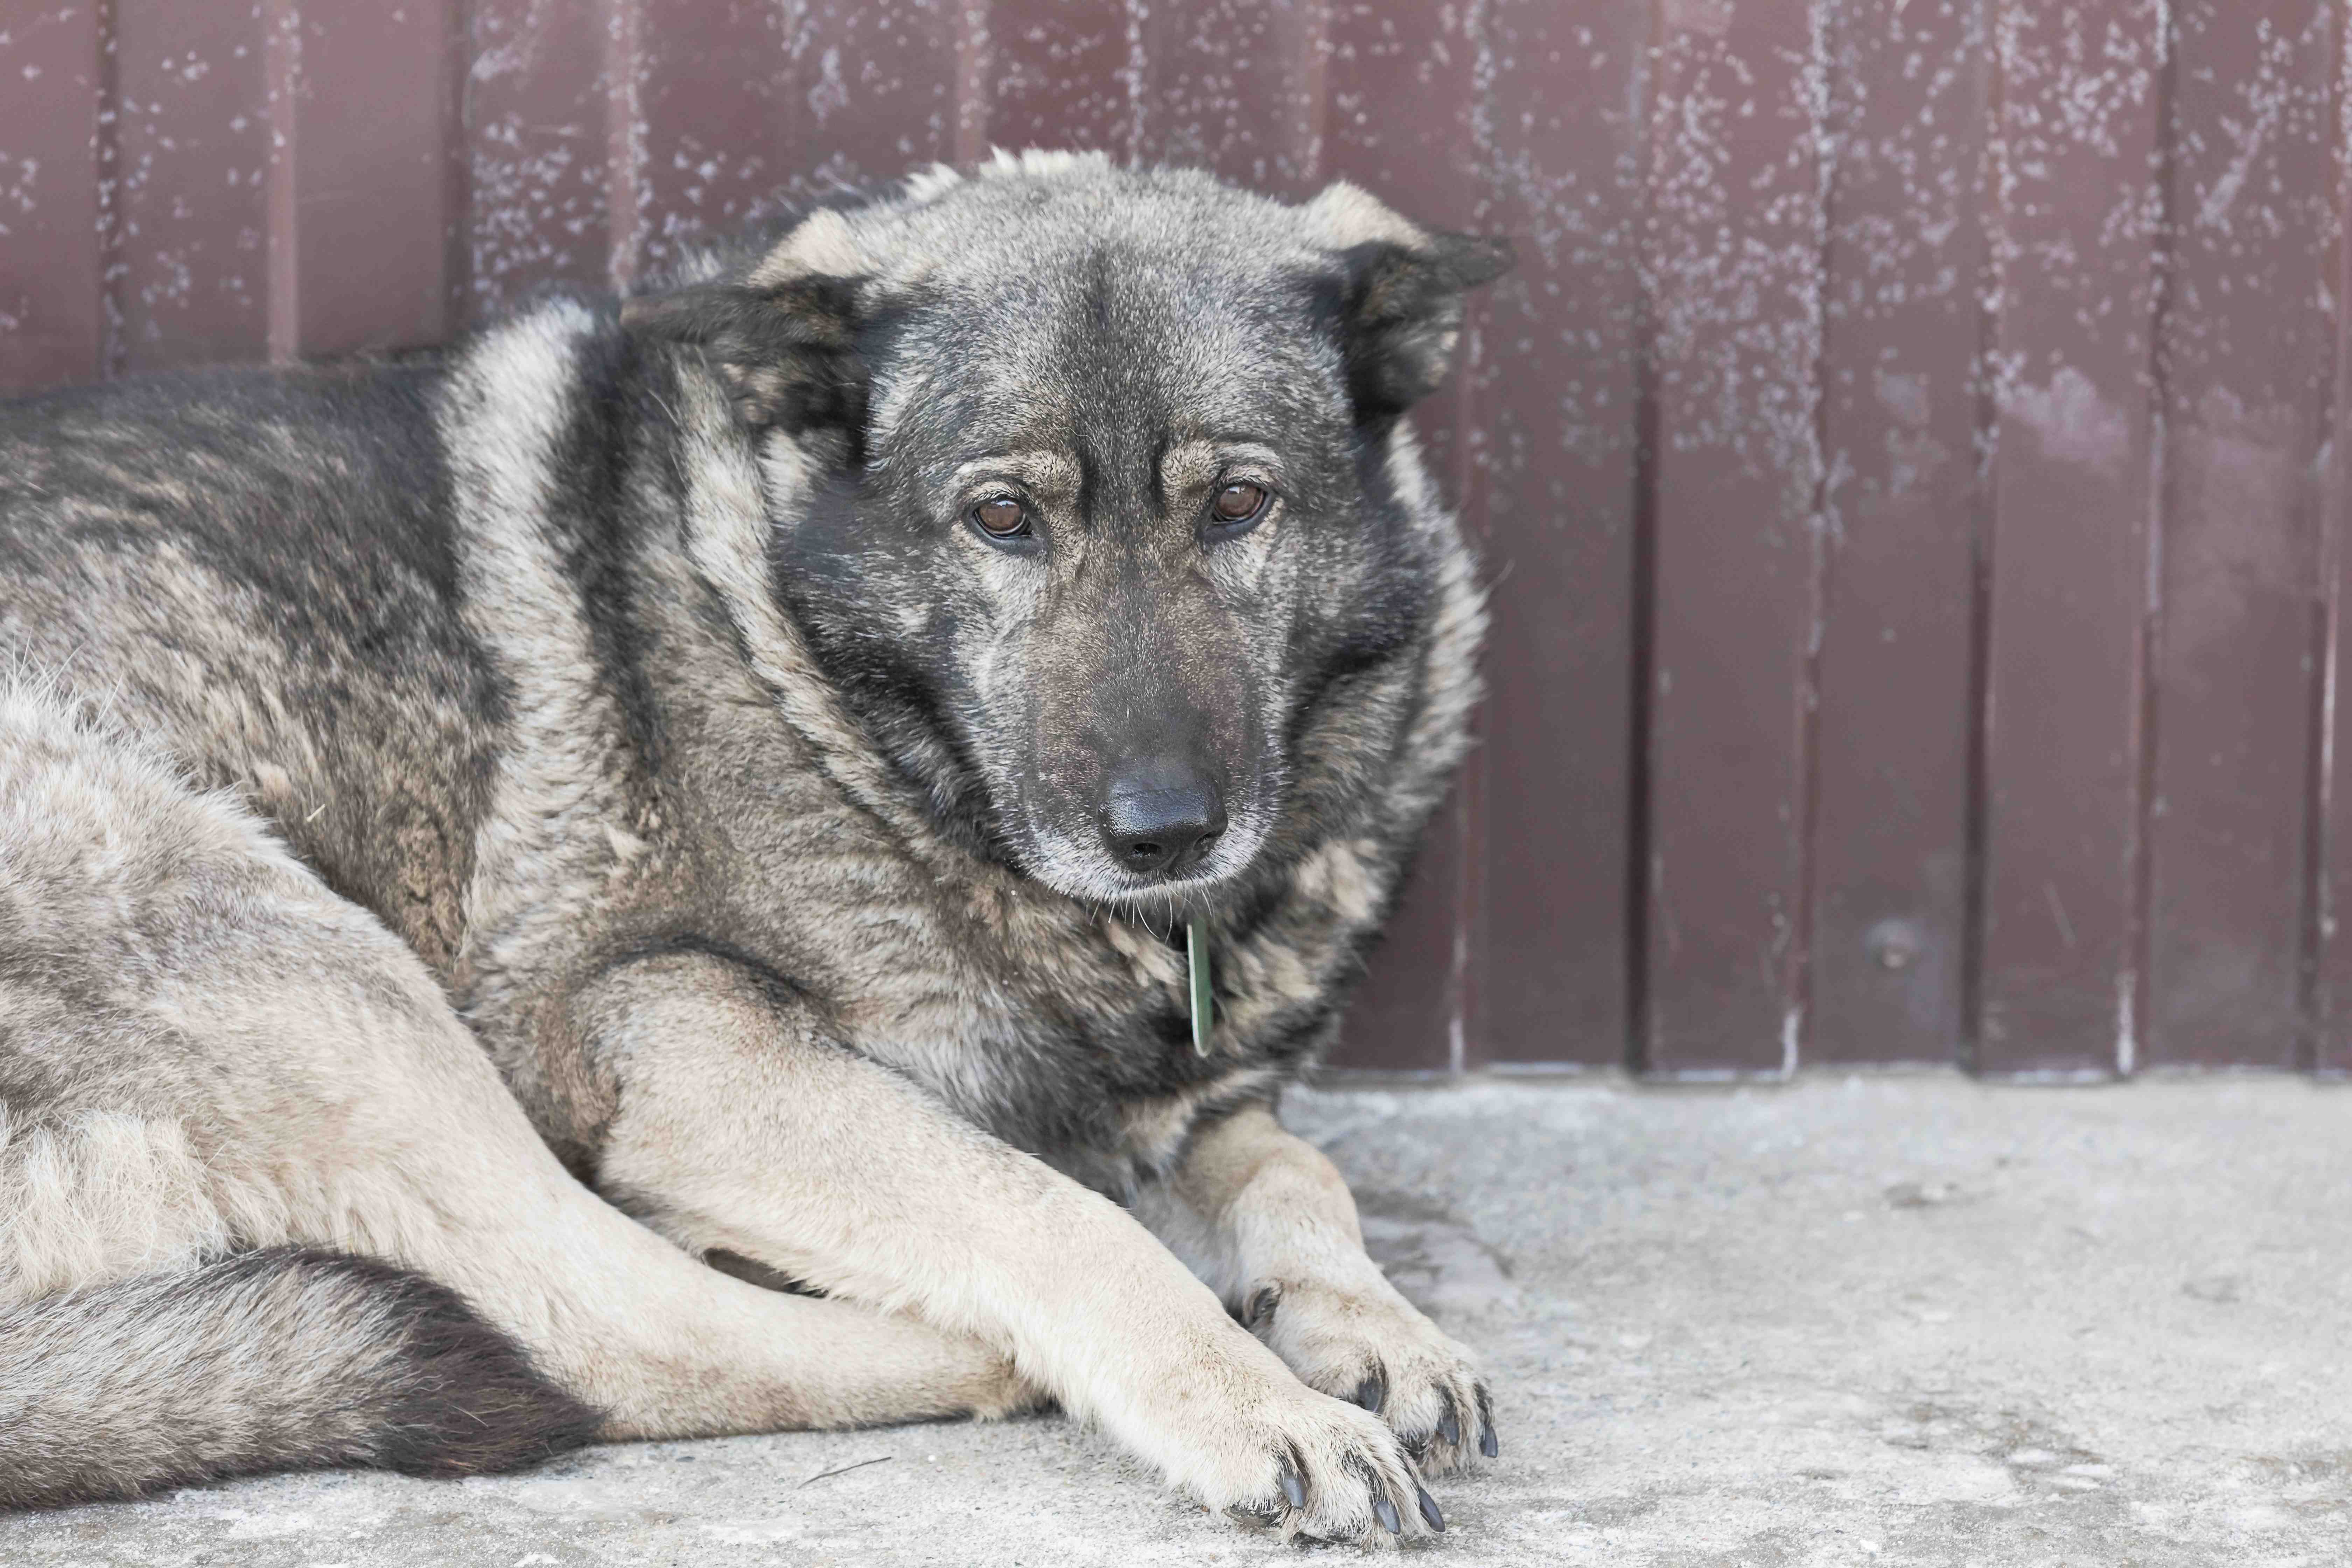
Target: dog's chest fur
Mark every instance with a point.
(1064, 1029)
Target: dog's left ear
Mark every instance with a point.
(1400, 289)
(784, 338)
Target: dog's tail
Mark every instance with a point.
(262, 1360)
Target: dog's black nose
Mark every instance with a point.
(1161, 817)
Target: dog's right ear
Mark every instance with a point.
(1399, 295)
(784, 338)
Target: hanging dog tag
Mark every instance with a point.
(1196, 948)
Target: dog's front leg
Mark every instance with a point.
(741, 1127)
(1269, 1222)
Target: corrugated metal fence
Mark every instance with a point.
(1904, 454)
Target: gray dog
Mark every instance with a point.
(755, 857)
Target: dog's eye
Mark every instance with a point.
(1238, 503)
(1002, 518)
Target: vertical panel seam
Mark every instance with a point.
(972, 89)
(113, 268)
(456, 167)
(281, 57)
(2132, 987)
(624, 143)
(1822, 532)
(1473, 499)
(2315, 1001)
(1986, 30)
(1468, 881)
(1312, 89)
(1642, 610)
(1138, 72)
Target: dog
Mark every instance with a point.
(646, 877)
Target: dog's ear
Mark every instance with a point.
(1400, 296)
(784, 338)
(1401, 312)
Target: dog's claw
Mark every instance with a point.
(1429, 1509)
(1367, 1393)
(1293, 1488)
(1487, 1445)
(1385, 1511)
(1449, 1425)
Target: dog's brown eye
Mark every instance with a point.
(1002, 517)
(1238, 503)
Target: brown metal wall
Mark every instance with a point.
(1903, 456)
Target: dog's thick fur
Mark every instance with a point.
(481, 841)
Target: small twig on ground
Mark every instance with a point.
(845, 1469)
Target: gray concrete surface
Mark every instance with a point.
(1875, 1320)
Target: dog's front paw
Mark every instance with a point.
(1318, 1467)
(1366, 1343)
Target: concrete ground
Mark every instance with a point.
(1875, 1320)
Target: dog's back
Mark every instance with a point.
(253, 570)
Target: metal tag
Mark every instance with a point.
(1196, 948)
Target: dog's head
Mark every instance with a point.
(1090, 490)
